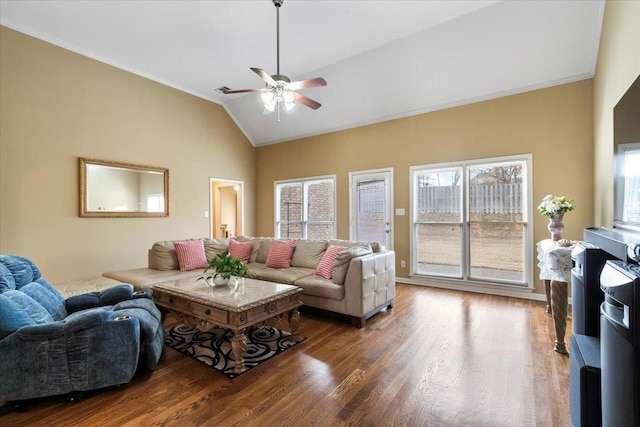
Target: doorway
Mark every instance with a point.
(370, 206)
(227, 216)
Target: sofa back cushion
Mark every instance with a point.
(343, 259)
(191, 255)
(17, 271)
(240, 250)
(163, 256)
(45, 294)
(263, 250)
(256, 245)
(213, 247)
(7, 282)
(325, 267)
(18, 309)
(308, 253)
(280, 252)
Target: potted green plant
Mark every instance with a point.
(223, 267)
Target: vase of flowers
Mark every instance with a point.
(223, 267)
(554, 208)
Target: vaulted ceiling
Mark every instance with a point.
(381, 59)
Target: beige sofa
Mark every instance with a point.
(362, 282)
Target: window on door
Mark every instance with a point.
(371, 204)
(305, 209)
(470, 220)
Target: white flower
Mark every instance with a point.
(555, 205)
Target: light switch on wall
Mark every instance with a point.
(400, 211)
(206, 214)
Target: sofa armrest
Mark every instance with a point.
(370, 282)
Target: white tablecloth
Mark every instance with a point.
(554, 261)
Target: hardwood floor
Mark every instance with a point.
(439, 358)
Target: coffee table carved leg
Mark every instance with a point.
(294, 321)
(559, 307)
(238, 346)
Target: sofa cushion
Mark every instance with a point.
(163, 256)
(18, 309)
(256, 245)
(7, 282)
(240, 250)
(325, 268)
(22, 270)
(47, 296)
(320, 287)
(213, 247)
(191, 255)
(284, 275)
(341, 263)
(263, 250)
(308, 253)
(280, 252)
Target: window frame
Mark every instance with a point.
(528, 282)
(304, 223)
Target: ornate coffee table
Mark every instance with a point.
(236, 307)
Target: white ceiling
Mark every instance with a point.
(382, 59)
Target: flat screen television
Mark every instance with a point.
(626, 168)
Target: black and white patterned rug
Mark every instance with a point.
(214, 346)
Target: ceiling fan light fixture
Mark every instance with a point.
(288, 97)
(267, 97)
(271, 106)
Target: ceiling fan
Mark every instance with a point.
(280, 91)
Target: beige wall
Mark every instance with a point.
(617, 68)
(57, 106)
(554, 124)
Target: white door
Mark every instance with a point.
(371, 204)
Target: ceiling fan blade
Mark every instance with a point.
(264, 76)
(315, 82)
(307, 101)
(226, 92)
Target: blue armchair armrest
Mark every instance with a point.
(73, 323)
(90, 349)
(109, 296)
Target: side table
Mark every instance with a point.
(555, 270)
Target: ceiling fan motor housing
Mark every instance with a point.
(281, 78)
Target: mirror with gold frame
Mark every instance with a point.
(113, 189)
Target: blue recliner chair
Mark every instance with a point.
(52, 346)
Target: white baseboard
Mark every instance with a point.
(490, 289)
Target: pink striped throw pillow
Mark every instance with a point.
(191, 255)
(240, 250)
(325, 267)
(280, 253)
